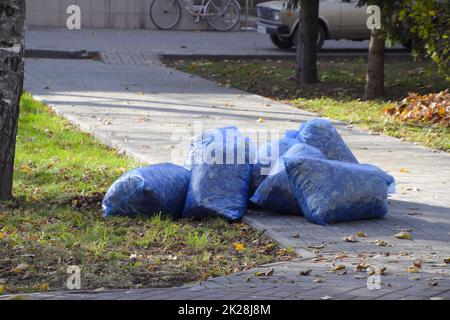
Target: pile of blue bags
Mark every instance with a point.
(309, 172)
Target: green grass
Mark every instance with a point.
(339, 94)
(60, 177)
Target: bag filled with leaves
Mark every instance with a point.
(329, 191)
(321, 134)
(275, 193)
(220, 175)
(150, 190)
(268, 154)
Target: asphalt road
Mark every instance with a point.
(175, 43)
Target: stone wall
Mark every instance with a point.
(116, 14)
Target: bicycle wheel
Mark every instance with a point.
(165, 14)
(222, 15)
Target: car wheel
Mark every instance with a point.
(320, 37)
(282, 42)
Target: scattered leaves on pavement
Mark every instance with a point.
(361, 234)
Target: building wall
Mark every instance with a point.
(116, 14)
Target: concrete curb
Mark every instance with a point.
(325, 53)
(58, 54)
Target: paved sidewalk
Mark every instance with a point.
(136, 109)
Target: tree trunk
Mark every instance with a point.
(306, 72)
(375, 67)
(12, 30)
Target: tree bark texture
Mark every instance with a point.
(375, 67)
(12, 46)
(306, 71)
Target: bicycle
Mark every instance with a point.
(221, 15)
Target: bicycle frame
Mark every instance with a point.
(202, 7)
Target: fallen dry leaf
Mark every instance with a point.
(382, 243)
(43, 286)
(447, 260)
(413, 269)
(404, 170)
(417, 263)
(337, 268)
(362, 266)
(403, 235)
(239, 246)
(380, 271)
(318, 246)
(21, 268)
(351, 239)
(361, 234)
(270, 273)
(305, 272)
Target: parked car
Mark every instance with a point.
(338, 19)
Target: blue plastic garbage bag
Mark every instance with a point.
(330, 191)
(200, 143)
(154, 189)
(266, 157)
(275, 193)
(321, 134)
(291, 134)
(219, 183)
